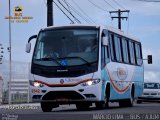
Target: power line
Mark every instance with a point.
(69, 12)
(63, 12)
(119, 4)
(111, 20)
(97, 6)
(148, 0)
(100, 8)
(109, 4)
(83, 11)
(67, 5)
(79, 14)
(76, 11)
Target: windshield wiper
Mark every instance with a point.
(75, 57)
(49, 59)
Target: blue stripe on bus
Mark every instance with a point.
(105, 78)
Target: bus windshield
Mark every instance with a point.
(66, 47)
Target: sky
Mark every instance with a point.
(143, 23)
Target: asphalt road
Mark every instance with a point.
(145, 111)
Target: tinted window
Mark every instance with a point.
(102, 56)
(112, 47)
(138, 54)
(66, 47)
(131, 51)
(118, 49)
(125, 51)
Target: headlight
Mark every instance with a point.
(36, 84)
(90, 82)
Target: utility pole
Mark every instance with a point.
(10, 56)
(119, 16)
(1, 53)
(49, 13)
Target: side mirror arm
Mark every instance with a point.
(149, 59)
(28, 45)
(32, 37)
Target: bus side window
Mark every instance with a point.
(131, 50)
(138, 54)
(103, 63)
(125, 51)
(112, 47)
(118, 49)
(106, 52)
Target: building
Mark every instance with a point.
(1, 88)
(19, 91)
(19, 84)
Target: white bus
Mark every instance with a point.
(81, 65)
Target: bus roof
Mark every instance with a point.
(115, 30)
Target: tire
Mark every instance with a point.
(128, 102)
(139, 101)
(46, 107)
(81, 106)
(104, 104)
(122, 103)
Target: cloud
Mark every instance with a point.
(144, 8)
(152, 76)
(152, 71)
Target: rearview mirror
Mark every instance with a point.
(105, 41)
(149, 59)
(28, 47)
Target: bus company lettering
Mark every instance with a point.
(73, 80)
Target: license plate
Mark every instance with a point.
(150, 96)
(62, 100)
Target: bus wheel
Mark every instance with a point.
(46, 107)
(81, 106)
(102, 104)
(126, 103)
(122, 103)
(130, 101)
(139, 101)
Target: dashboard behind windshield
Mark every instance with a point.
(66, 47)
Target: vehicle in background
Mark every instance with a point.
(151, 92)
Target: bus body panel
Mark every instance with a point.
(120, 76)
(77, 88)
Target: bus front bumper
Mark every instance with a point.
(67, 94)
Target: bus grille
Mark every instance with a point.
(53, 95)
